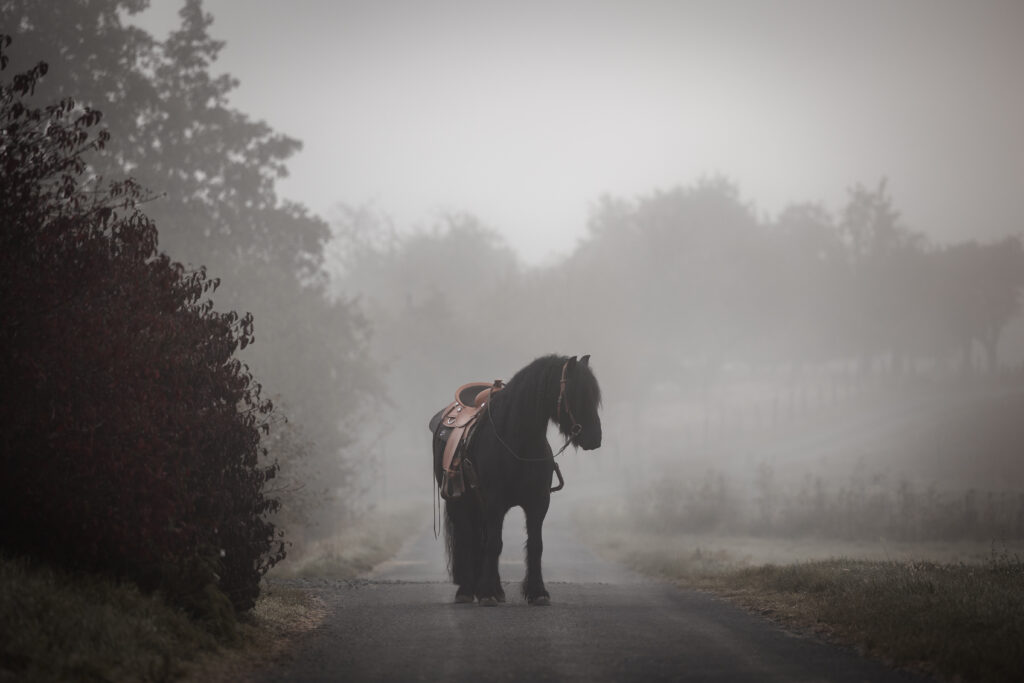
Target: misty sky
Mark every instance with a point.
(525, 112)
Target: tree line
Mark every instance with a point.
(804, 287)
(677, 284)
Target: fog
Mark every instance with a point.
(787, 233)
(525, 113)
(760, 377)
(775, 226)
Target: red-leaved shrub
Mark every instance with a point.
(129, 433)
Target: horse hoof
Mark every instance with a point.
(488, 602)
(540, 601)
(463, 599)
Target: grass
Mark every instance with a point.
(280, 616)
(963, 621)
(59, 626)
(958, 615)
(353, 551)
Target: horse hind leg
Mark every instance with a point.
(463, 546)
(489, 591)
(533, 584)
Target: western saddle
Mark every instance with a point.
(454, 426)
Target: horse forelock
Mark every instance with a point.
(588, 390)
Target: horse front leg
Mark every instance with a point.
(533, 584)
(488, 591)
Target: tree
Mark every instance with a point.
(131, 432)
(173, 129)
(811, 276)
(871, 227)
(443, 302)
(216, 170)
(981, 290)
(882, 255)
(679, 275)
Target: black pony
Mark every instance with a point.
(513, 463)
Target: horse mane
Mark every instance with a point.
(529, 398)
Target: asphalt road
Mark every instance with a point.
(604, 624)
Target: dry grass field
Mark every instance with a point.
(950, 608)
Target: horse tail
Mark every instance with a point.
(463, 540)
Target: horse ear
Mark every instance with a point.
(571, 363)
(585, 360)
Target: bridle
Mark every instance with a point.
(562, 398)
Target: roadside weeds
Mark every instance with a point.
(953, 620)
(58, 625)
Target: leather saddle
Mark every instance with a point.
(454, 427)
